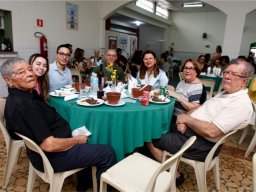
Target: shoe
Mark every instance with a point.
(180, 180)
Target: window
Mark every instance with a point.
(145, 4)
(153, 8)
(162, 12)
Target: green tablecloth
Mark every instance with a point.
(124, 128)
(217, 79)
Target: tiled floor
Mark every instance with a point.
(235, 171)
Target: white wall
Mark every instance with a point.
(187, 30)
(88, 37)
(151, 38)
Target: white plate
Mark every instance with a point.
(84, 103)
(166, 101)
(61, 94)
(120, 103)
(134, 98)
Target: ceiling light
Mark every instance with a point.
(138, 23)
(193, 4)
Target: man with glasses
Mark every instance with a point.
(27, 113)
(109, 63)
(59, 73)
(230, 110)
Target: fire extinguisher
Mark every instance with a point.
(43, 43)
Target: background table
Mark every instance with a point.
(124, 128)
(217, 80)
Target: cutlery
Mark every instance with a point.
(143, 87)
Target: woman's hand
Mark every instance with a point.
(172, 94)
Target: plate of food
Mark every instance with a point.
(90, 102)
(159, 99)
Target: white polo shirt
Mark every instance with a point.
(227, 111)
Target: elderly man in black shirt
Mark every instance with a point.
(28, 114)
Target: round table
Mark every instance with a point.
(124, 128)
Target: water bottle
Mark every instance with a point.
(94, 84)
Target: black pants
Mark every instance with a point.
(173, 141)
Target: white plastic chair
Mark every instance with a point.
(13, 152)
(181, 76)
(245, 131)
(201, 168)
(209, 83)
(140, 173)
(254, 172)
(55, 180)
(75, 72)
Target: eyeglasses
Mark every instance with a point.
(188, 68)
(108, 55)
(21, 73)
(64, 54)
(232, 75)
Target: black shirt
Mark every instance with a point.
(28, 114)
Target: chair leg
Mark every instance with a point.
(94, 180)
(200, 177)
(12, 158)
(251, 146)
(103, 185)
(56, 184)
(31, 178)
(245, 131)
(216, 174)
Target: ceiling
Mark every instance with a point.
(171, 5)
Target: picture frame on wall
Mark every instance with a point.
(72, 16)
(112, 42)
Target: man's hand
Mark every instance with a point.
(81, 139)
(181, 127)
(182, 119)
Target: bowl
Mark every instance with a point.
(113, 97)
(147, 88)
(136, 92)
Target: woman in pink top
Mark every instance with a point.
(40, 66)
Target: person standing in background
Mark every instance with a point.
(59, 74)
(40, 66)
(216, 56)
(121, 61)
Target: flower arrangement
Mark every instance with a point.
(110, 65)
(113, 77)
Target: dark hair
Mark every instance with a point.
(118, 50)
(63, 45)
(143, 68)
(219, 48)
(195, 64)
(224, 58)
(42, 80)
(79, 54)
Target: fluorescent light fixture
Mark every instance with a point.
(138, 23)
(193, 4)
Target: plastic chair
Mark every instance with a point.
(55, 180)
(245, 131)
(181, 76)
(13, 152)
(209, 83)
(140, 173)
(201, 168)
(254, 172)
(76, 73)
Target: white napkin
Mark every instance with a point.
(69, 97)
(81, 131)
(132, 82)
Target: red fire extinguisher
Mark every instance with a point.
(43, 43)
